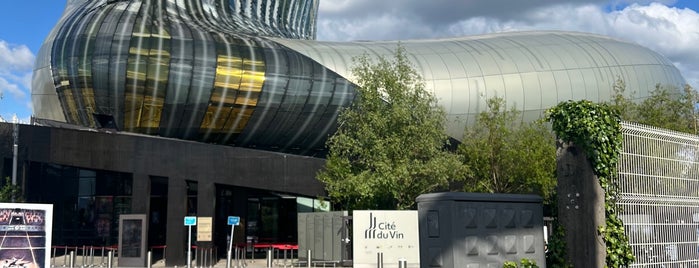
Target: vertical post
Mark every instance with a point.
(53, 258)
(230, 247)
(65, 256)
(149, 259)
(379, 260)
(110, 259)
(269, 258)
(189, 247)
(72, 259)
(402, 263)
(308, 255)
(15, 151)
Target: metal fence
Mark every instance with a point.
(659, 195)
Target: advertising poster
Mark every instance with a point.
(25, 235)
(393, 233)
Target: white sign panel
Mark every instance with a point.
(25, 231)
(394, 233)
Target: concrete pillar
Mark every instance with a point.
(580, 207)
(176, 236)
(206, 203)
(140, 195)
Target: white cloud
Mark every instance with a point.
(673, 32)
(13, 90)
(15, 57)
(16, 63)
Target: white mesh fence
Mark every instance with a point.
(659, 195)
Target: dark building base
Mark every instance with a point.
(93, 177)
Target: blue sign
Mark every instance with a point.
(233, 220)
(190, 221)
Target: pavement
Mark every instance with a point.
(98, 262)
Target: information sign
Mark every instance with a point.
(190, 221)
(204, 228)
(233, 220)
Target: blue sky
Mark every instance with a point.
(670, 27)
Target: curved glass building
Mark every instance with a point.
(248, 72)
(176, 78)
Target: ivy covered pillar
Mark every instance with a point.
(580, 207)
(595, 131)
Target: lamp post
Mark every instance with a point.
(15, 149)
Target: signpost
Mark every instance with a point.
(232, 221)
(189, 221)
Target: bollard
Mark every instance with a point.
(72, 259)
(269, 258)
(110, 259)
(102, 257)
(379, 260)
(65, 256)
(308, 255)
(402, 263)
(92, 256)
(84, 257)
(149, 259)
(237, 257)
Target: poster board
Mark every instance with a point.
(132, 240)
(25, 230)
(204, 229)
(394, 233)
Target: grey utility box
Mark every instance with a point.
(326, 234)
(476, 230)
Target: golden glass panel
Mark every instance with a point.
(72, 107)
(217, 97)
(252, 81)
(242, 116)
(248, 99)
(217, 119)
(237, 87)
(133, 101)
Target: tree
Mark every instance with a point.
(390, 145)
(9, 192)
(667, 107)
(507, 156)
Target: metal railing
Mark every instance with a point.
(659, 195)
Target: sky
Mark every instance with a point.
(670, 27)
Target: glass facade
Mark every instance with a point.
(87, 203)
(247, 72)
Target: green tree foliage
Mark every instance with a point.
(9, 192)
(508, 156)
(390, 143)
(667, 107)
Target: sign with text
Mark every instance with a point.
(233, 220)
(204, 229)
(190, 221)
(391, 232)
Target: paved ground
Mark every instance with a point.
(257, 263)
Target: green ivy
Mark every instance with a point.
(523, 263)
(596, 129)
